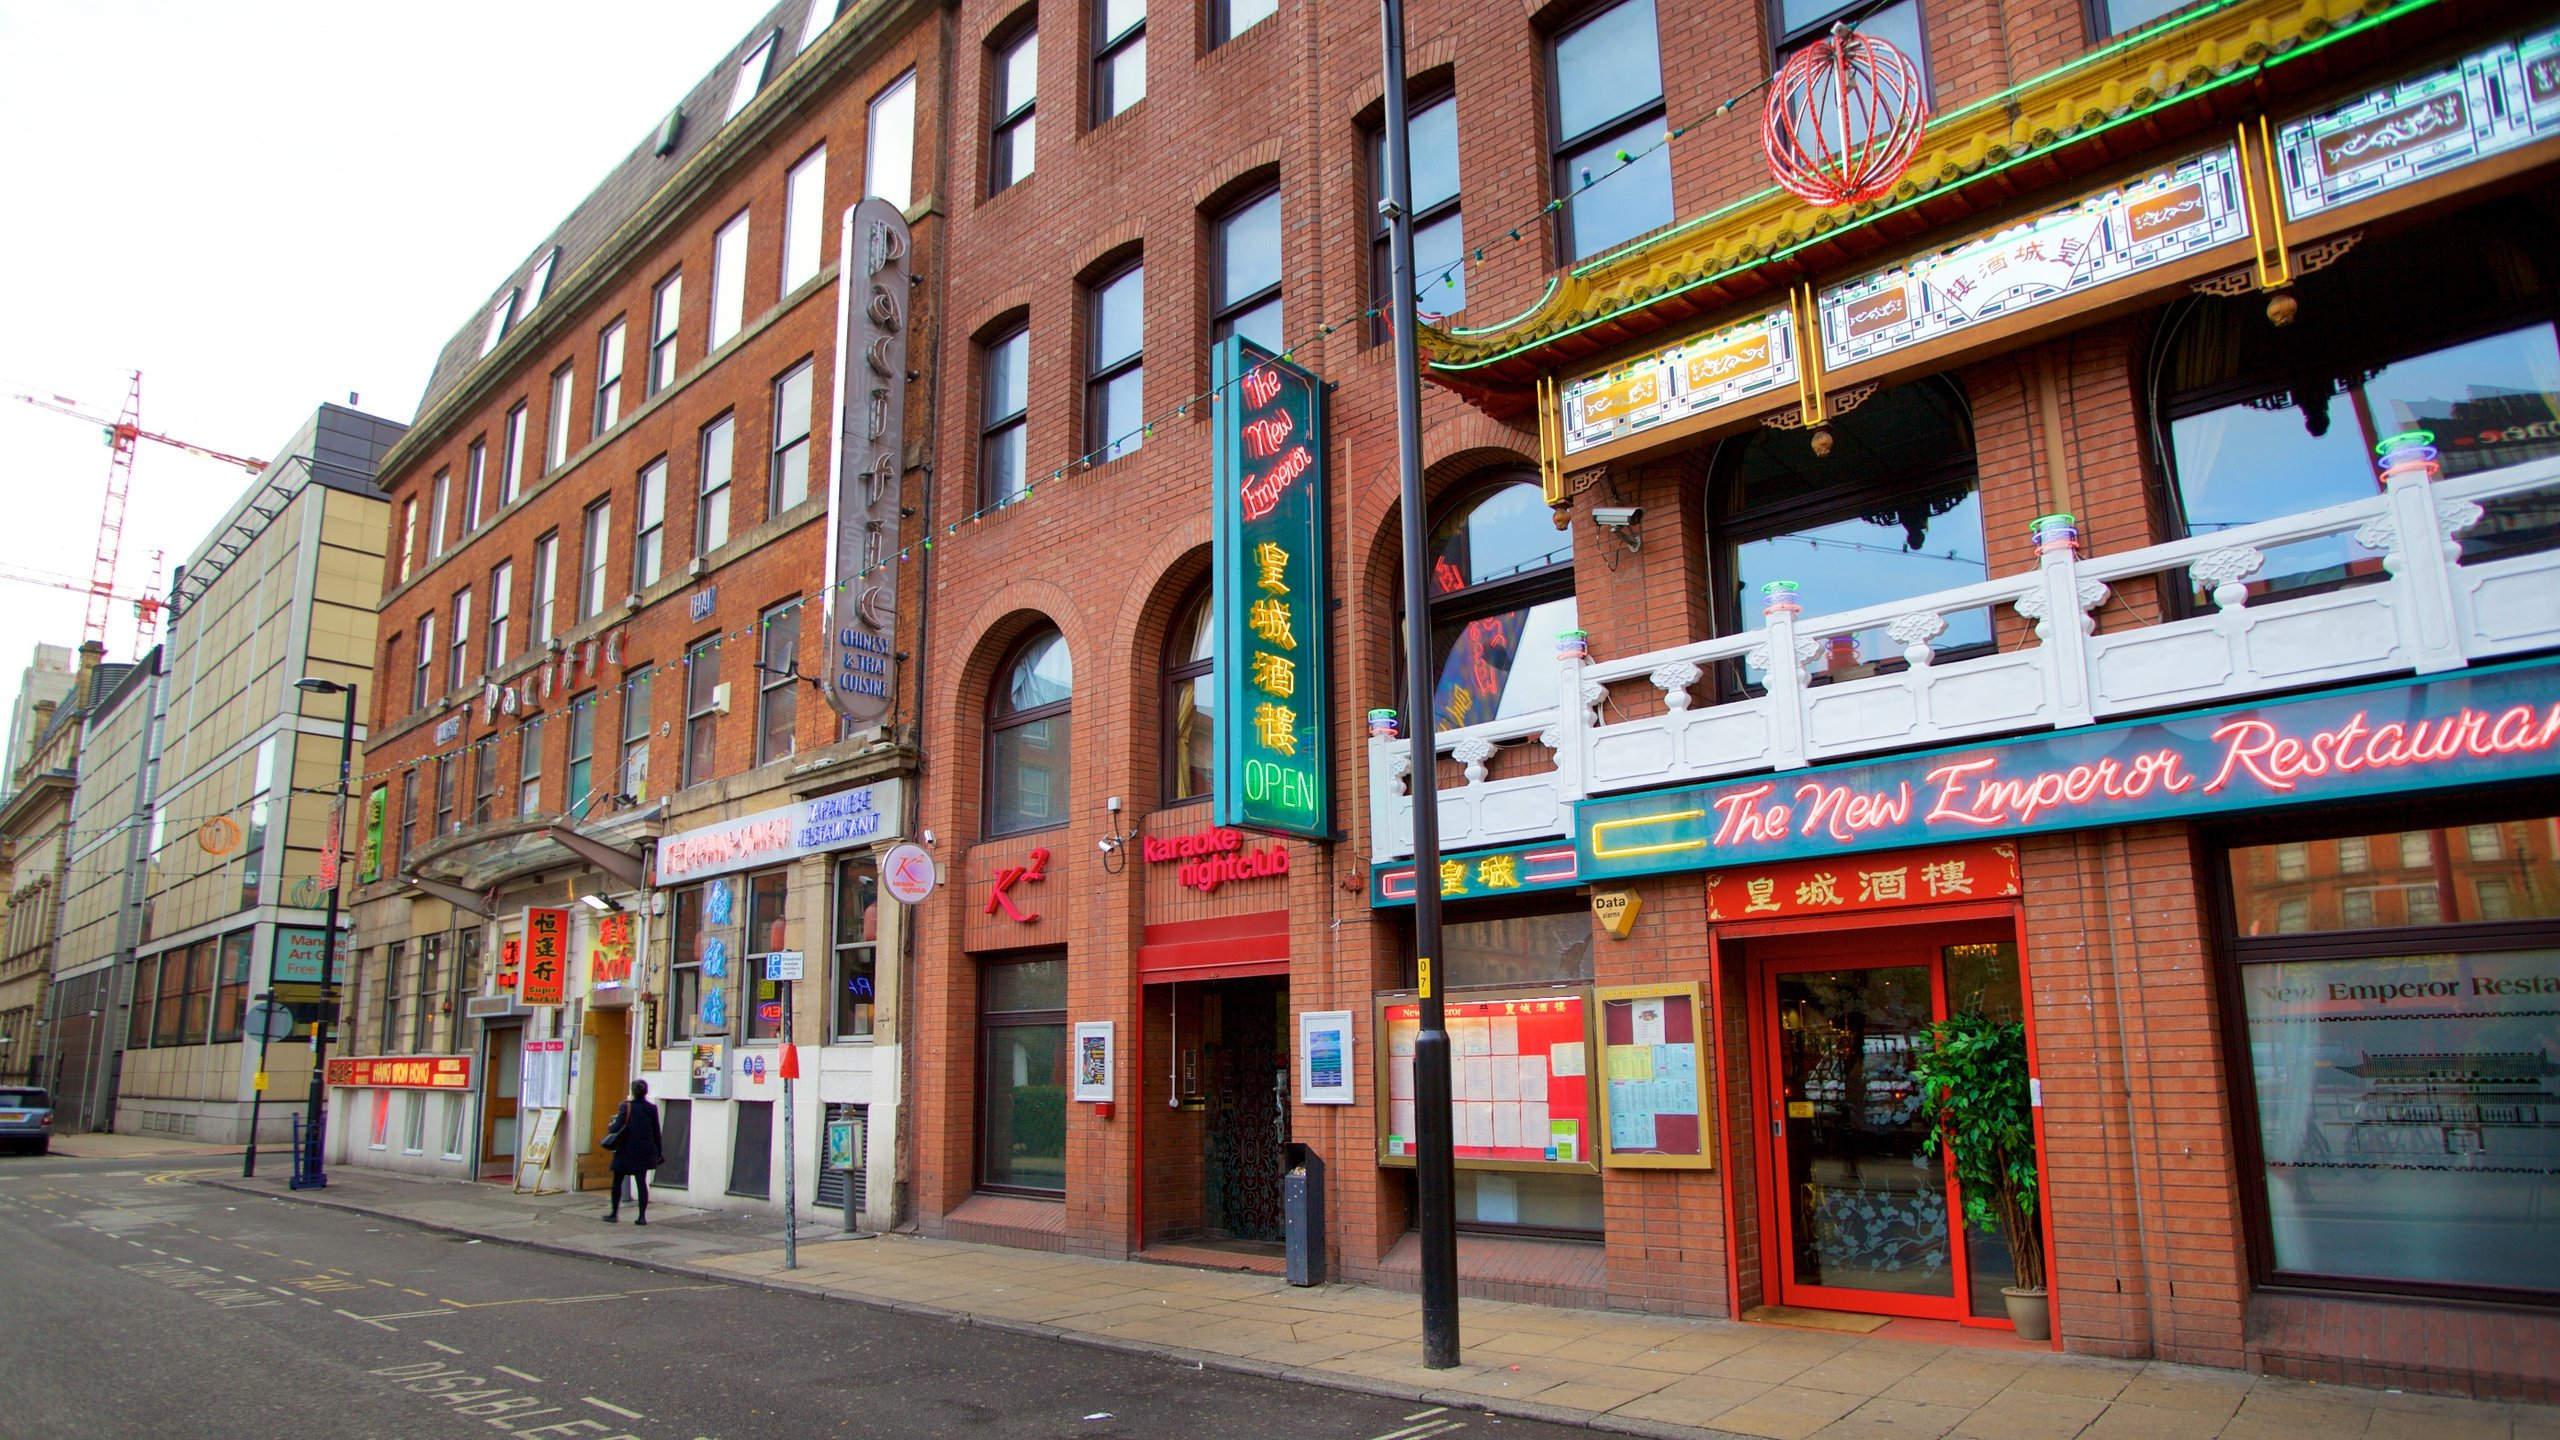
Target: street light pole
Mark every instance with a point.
(1434, 1162)
(316, 1115)
(258, 1092)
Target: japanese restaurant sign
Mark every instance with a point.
(403, 1072)
(808, 827)
(1275, 711)
(1983, 870)
(2487, 103)
(2472, 727)
(546, 956)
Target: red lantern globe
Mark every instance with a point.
(1845, 117)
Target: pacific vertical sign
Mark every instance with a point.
(1275, 693)
(869, 464)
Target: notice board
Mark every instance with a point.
(1519, 1079)
(1655, 1096)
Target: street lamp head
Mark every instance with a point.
(314, 685)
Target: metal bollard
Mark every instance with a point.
(1302, 1214)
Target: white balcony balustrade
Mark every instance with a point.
(1656, 719)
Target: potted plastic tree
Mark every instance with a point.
(1972, 1072)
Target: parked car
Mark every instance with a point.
(26, 1119)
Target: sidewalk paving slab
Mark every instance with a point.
(1674, 1379)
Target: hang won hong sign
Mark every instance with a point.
(863, 509)
(1275, 700)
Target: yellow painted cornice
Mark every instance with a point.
(1703, 262)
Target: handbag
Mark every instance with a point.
(613, 1133)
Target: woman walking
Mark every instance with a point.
(637, 1149)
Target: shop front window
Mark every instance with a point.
(768, 999)
(856, 947)
(684, 982)
(1501, 589)
(1022, 1086)
(2256, 422)
(1890, 514)
(1517, 950)
(2402, 1077)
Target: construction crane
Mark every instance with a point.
(123, 435)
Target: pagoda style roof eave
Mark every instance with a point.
(2189, 77)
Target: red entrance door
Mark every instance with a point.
(1861, 1212)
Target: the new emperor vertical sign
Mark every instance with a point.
(1274, 720)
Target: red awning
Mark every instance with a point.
(1228, 948)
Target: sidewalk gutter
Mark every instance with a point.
(1523, 1409)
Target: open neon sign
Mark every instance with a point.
(1274, 718)
(2475, 727)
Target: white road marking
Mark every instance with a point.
(616, 1409)
(247, 1279)
(403, 1315)
(376, 1324)
(1421, 1431)
(289, 1295)
(440, 1345)
(504, 1370)
(1426, 1414)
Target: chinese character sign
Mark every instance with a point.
(546, 956)
(369, 870)
(609, 959)
(1274, 714)
(1889, 880)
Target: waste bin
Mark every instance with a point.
(1302, 1213)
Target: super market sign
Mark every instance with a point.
(2470, 728)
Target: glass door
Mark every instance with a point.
(1865, 1214)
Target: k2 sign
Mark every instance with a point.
(862, 507)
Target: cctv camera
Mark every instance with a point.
(1616, 517)
(1106, 846)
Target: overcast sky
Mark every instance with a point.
(265, 205)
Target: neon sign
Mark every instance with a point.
(1274, 718)
(2470, 728)
(1211, 858)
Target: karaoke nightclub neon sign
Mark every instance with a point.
(2469, 728)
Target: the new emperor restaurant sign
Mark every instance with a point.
(2469, 728)
(1274, 691)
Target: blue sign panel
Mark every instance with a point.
(2467, 728)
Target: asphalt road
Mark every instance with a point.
(134, 1302)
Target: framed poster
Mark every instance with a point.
(1324, 1058)
(1658, 1095)
(1519, 1078)
(706, 1074)
(1094, 1061)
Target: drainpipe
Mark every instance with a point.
(913, 803)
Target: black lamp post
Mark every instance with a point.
(1434, 1163)
(312, 1175)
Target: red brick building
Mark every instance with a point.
(1970, 579)
(598, 640)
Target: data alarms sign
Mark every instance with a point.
(1275, 690)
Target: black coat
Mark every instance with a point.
(642, 1148)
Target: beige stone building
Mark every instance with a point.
(233, 899)
(102, 907)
